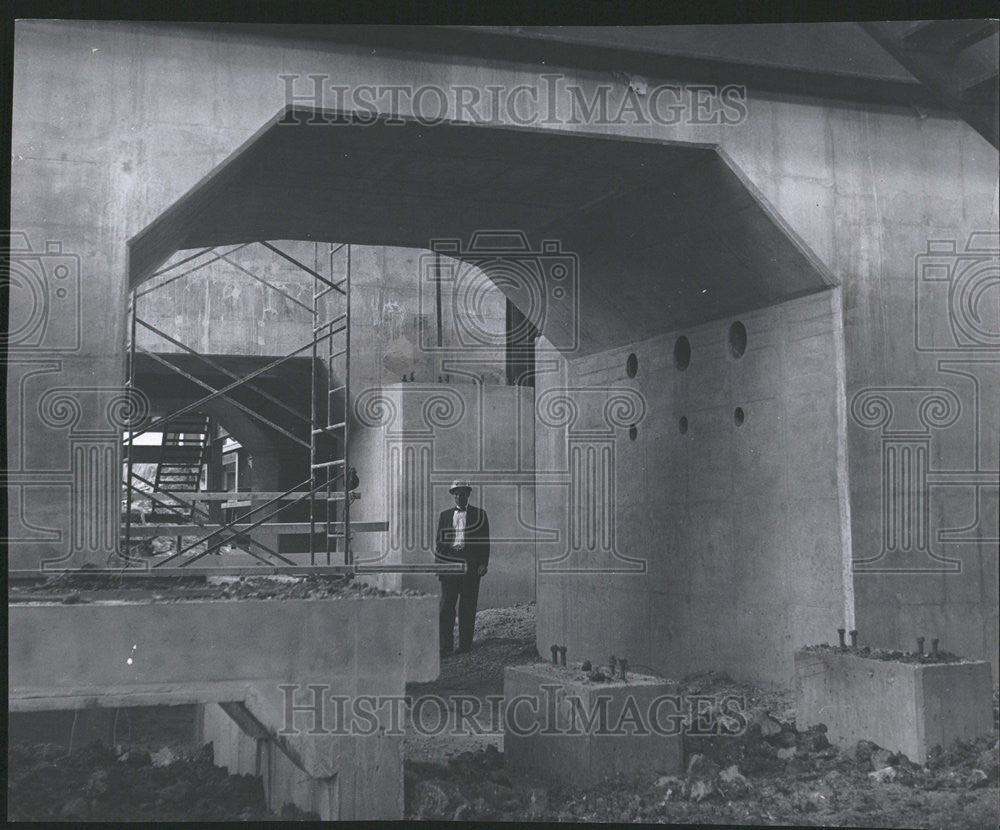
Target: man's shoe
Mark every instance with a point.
(446, 651)
(463, 649)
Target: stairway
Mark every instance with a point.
(182, 455)
(955, 59)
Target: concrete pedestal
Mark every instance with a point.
(235, 657)
(560, 725)
(903, 707)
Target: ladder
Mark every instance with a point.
(182, 456)
(332, 477)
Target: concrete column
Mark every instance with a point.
(263, 470)
(216, 477)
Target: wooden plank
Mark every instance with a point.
(206, 496)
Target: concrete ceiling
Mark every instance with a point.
(662, 236)
(835, 59)
(834, 48)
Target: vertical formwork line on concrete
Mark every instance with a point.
(133, 298)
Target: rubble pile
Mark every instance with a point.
(771, 774)
(81, 587)
(473, 785)
(100, 783)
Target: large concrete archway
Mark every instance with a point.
(666, 235)
(625, 241)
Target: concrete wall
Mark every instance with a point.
(112, 122)
(415, 439)
(219, 309)
(740, 527)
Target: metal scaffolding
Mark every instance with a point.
(332, 483)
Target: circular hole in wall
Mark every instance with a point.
(737, 339)
(739, 416)
(682, 425)
(682, 353)
(633, 432)
(632, 365)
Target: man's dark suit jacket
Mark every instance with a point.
(477, 539)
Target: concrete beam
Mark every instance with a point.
(140, 653)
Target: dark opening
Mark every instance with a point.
(683, 424)
(632, 365)
(633, 432)
(738, 416)
(520, 340)
(682, 353)
(737, 339)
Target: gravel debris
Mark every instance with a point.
(99, 783)
(892, 654)
(770, 774)
(77, 587)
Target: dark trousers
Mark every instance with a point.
(463, 590)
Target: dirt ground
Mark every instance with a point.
(100, 783)
(504, 637)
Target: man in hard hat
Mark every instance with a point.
(463, 535)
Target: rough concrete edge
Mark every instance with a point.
(843, 462)
(804, 652)
(779, 221)
(41, 700)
